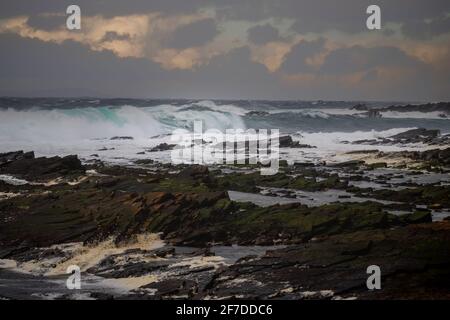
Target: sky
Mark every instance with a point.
(227, 49)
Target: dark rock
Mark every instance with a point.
(419, 217)
(162, 147)
(420, 195)
(195, 172)
(368, 141)
(377, 165)
(350, 163)
(257, 113)
(305, 146)
(36, 168)
(360, 107)
(162, 252)
(416, 134)
(121, 138)
(303, 164)
(136, 269)
(429, 107)
(287, 142)
(173, 287)
(14, 156)
(101, 296)
(363, 151)
(107, 182)
(144, 161)
(414, 263)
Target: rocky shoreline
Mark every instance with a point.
(443, 108)
(331, 221)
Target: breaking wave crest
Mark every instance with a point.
(103, 122)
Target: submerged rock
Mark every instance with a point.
(144, 161)
(257, 113)
(162, 147)
(421, 135)
(428, 107)
(360, 107)
(122, 138)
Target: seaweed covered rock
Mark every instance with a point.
(414, 262)
(421, 195)
(122, 207)
(250, 182)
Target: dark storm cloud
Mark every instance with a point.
(423, 30)
(232, 75)
(71, 69)
(30, 67)
(193, 35)
(10, 8)
(358, 58)
(318, 16)
(309, 15)
(295, 62)
(263, 34)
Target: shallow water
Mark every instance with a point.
(20, 285)
(311, 199)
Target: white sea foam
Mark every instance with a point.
(415, 115)
(333, 146)
(84, 256)
(62, 126)
(12, 180)
(87, 131)
(312, 113)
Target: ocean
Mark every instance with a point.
(53, 126)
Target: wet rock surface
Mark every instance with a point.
(428, 107)
(288, 142)
(442, 107)
(336, 267)
(162, 147)
(14, 156)
(25, 165)
(328, 245)
(420, 135)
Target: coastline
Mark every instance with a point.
(364, 204)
